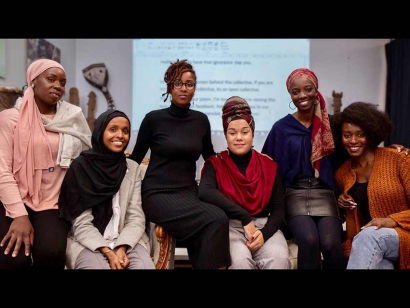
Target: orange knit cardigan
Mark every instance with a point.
(389, 194)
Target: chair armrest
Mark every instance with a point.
(162, 247)
(166, 249)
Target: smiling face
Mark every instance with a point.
(183, 96)
(354, 140)
(239, 137)
(49, 87)
(117, 134)
(303, 94)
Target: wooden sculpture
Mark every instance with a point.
(337, 101)
(92, 101)
(97, 75)
(74, 97)
(8, 96)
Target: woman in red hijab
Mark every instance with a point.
(248, 187)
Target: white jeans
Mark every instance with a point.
(274, 254)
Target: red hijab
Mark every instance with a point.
(322, 138)
(251, 192)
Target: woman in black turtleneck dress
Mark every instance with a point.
(177, 136)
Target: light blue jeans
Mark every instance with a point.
(375, 249)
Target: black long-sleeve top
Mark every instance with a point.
(274, 209)
(177, 137)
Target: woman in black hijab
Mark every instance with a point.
(101, 199)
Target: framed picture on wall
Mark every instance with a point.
(41, 49)
(2, 58)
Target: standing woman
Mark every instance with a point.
(301, 143)
(39, 137)
(101, 198)
(177, 137)
(375, 185)
(249, 188)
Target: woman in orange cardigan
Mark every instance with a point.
(375, 185)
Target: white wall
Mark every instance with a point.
(16, 61)
(356, 67)
(116, 54)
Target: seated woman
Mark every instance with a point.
(248, 186)
(101, 198)
(375, 186)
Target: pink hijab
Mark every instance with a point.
(322, 138)
(32, 152)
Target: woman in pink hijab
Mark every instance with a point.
(39, 137)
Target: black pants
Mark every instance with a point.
(49, 246)
(315, 235)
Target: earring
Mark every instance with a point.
(291, 107)
(193, 101)
(32, 85)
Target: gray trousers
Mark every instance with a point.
(274, 254)
(138, 256)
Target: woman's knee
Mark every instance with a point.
(365, 235)
(242, 260)
(308, 241)
(21, 261)
(221, 220)
(49, 258)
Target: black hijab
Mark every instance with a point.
(94, 177)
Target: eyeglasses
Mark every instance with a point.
(189, 85)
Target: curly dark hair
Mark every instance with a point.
(375, 124)
(174, 72)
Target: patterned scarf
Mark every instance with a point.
(234, 108)
(322, 138)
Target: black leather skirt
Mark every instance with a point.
(309, 196)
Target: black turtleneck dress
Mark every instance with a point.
(177, 137)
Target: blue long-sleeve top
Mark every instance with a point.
(289, 144)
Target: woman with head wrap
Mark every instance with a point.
(302, 144)
(39, 137)
(101, 198)
(248, 187)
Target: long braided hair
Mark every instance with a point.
(174, 72)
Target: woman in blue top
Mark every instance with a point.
(302, 143)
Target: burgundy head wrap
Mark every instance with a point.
(234, 108)
(322, 138)
(305, 73)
